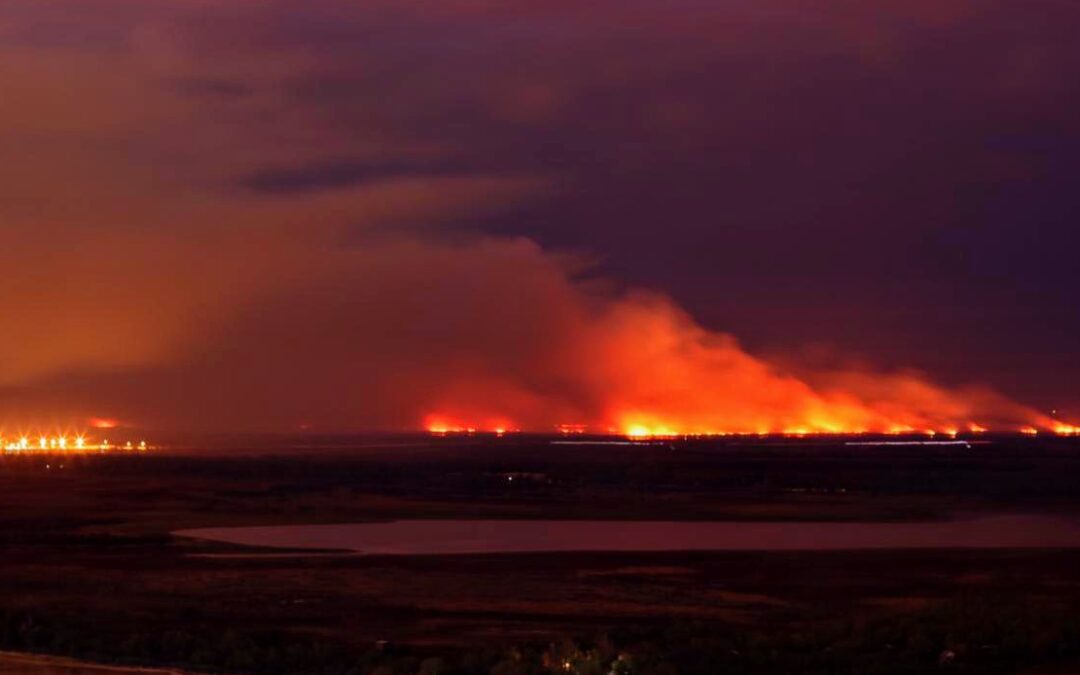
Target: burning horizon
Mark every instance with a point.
(488, 333)
(654, 372)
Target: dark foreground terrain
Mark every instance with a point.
(88, 567)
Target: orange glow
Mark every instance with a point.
(103, 423)
(658, 430)
(643, 427)
(639, 426)
(441, 425)
(572, 428)
(641, 431)
(61, 443)
(642, 368)
(1067, 429)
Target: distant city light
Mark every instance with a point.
(64, 444)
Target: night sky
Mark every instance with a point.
(273, 214)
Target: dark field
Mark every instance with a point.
(88, 567)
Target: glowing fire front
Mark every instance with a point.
(641, 367)
(644, 431)
(442, 425)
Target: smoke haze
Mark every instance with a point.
(233, 215)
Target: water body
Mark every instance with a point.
(31, 664)
(449, 537)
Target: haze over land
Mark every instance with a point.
(239, 215)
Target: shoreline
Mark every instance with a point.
(9, 659)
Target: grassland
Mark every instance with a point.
(88, 567)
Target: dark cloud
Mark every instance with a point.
(215, 88)
(340, 174)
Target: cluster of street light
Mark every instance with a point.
(64, 444)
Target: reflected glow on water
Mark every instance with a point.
(442, 537)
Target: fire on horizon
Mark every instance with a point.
(439, 426)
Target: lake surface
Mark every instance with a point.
(12, 663)
(447, 537)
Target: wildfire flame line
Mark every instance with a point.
(440, 426)
(643, 368)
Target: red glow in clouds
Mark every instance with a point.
(103, 423)
(648, 370)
